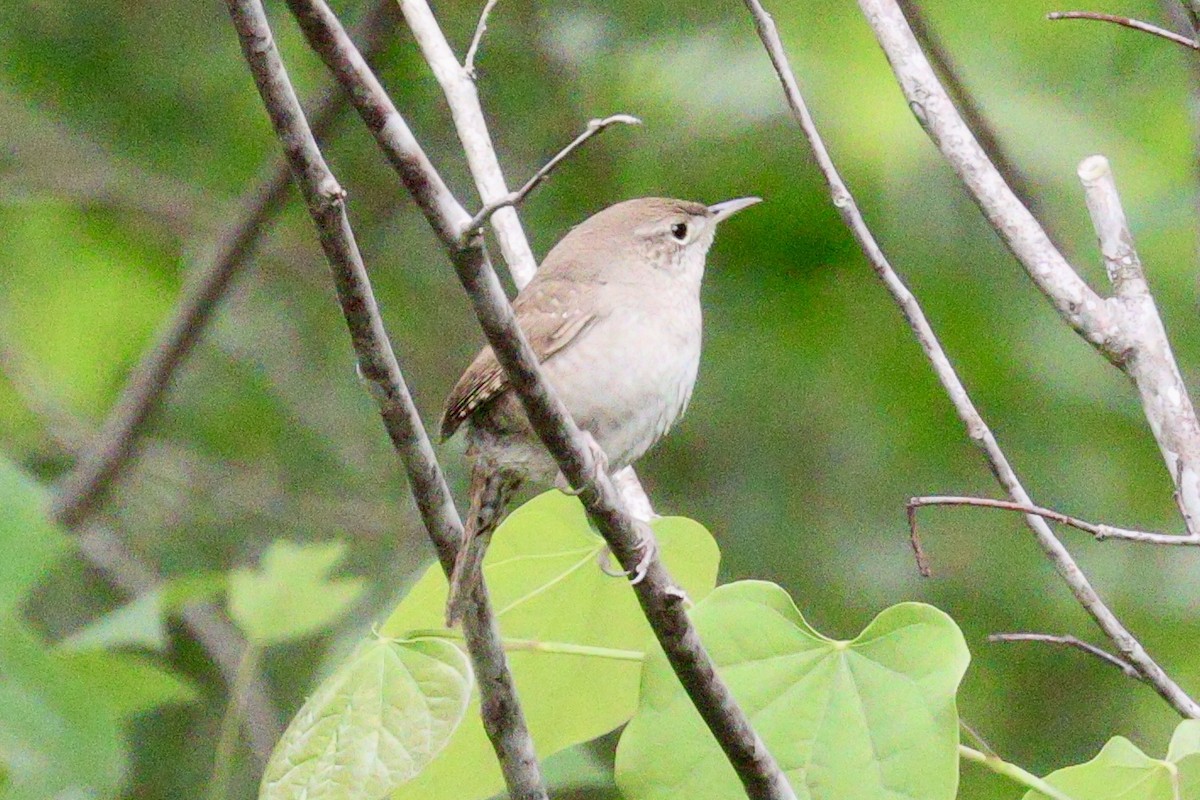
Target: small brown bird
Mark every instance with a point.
(613, 315)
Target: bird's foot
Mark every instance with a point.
(599, 466)
(648, 547)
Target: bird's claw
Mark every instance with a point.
(599, 467)
(648, 546)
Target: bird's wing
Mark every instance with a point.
(548, 329)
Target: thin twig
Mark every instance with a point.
(500, 710)
(914, 541)
(1100, 531)
(480, 30)
(977, 429)
(1070, 641)
(657, 594)
(1126, 22)
(516, 198)
(977, 737)
(103, 464)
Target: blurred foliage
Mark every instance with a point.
(130, 129)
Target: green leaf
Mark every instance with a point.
(870, 718)
(139, 623)
(291, 595)
(129, 684)
(1121, 771)
(30, 542)
(1185, 741)
(178, 592)
(56, 741)
(547, 588)
(373, 724)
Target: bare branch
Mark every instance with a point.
(914, 540)
(461, 96)
(1148, 361)
(977, 429)
(516, 198)
(1100, 531)
(103, 463)
(1126, 22)
(1070, 641)
(1075, 301)
(480, 30)
(472, 130)
(951, 77)
(657, 594)
(500, 710)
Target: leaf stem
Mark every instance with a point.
(539, 646)
(247, 668)
(1012, 772)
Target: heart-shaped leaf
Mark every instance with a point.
(1121, 771)
(866, 719)
(373, 724)
(551, 597)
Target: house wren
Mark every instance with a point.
(613, 315)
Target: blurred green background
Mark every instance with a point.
(129, 130)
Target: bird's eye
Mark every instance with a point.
(679, 230)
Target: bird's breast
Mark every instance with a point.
(630, 377)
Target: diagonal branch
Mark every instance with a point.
(501, 712)
(1075, 301)
(950, 75)
(977, 429)
(660, 599)
(1126, 328)
(102, 464)
(459, 88)
(1148, 362)
(472, 129)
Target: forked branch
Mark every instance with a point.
(977, 429)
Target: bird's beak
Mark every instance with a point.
(720, 211)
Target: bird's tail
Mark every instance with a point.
(490, 492)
